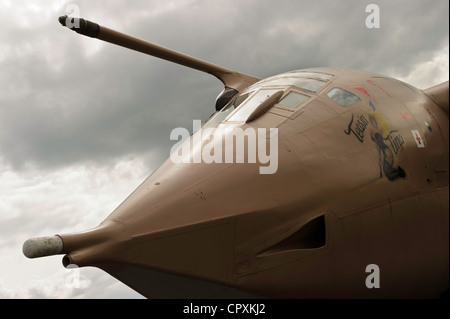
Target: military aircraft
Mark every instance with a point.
(355, 204)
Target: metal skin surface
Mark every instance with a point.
(356, 185)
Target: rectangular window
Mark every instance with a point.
(314, 75)
(293, 99)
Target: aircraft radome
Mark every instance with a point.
(316, 183)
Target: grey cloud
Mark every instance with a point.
(98, 108)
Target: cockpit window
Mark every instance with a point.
(251, 104)
(312, 85)
(311, 81)
(314, 75)
(241, 98)
(305, 83)
(306, 80)
(293, 99)
(221, 115)
(343, 97)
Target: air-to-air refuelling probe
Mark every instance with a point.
(355, 203)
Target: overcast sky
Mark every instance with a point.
(83, 123)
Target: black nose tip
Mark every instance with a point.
(62, 20)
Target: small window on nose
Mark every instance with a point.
(343, 97)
